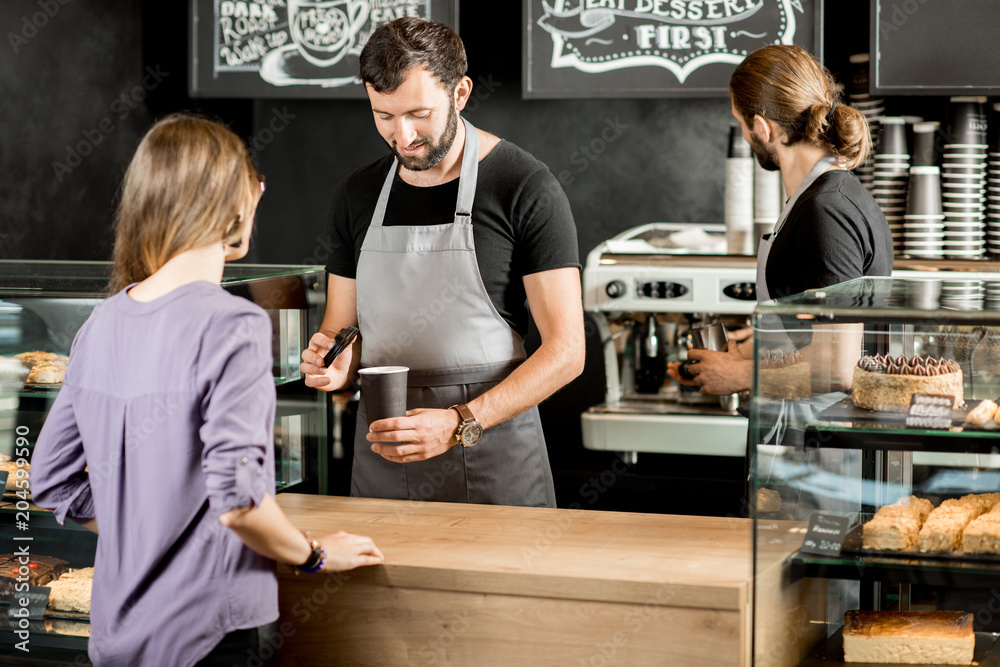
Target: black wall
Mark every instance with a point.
(62, 94)
(81, 81)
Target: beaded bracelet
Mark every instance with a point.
(317, 559)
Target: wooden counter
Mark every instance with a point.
(495, 585)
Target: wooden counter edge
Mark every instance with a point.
(697, 595)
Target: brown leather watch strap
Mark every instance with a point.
(464, 412)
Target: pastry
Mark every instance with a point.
(768, 500)
(71, 591)
(909, 637)
(46, 367)
(63, 627)
(41, 569)
(984, 502)
(11, 467)
(942, 532)
(784, 375)
(982, 414)
(982, 535)
(888, 383)
(922, 505)
(893, 528)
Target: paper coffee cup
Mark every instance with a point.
(383, 391)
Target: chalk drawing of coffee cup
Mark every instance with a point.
(324, 30)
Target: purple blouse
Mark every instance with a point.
(171, 405)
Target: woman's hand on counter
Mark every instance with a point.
(318, 376)
(346, 551)
(422, 434)
(721, 373)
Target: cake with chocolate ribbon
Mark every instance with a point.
(888, 383)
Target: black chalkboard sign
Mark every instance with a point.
(295, 48)
(29, 604)
(935, 47)
(825, 535)
(654, 48)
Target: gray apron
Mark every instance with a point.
(422, 304)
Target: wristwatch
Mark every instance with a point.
(470, 431)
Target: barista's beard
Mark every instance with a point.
(436, 150)
(766, 158)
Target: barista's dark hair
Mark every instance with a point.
(397, 47)
(786, 84)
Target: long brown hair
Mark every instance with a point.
(784, 83)
(189, 183)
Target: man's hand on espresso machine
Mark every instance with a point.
(720, 373)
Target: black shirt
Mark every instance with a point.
(835, 232)
(521, 221)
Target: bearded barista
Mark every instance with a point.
(440, 247)
(831, 229)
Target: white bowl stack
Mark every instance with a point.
(963, 174)
(872, 108)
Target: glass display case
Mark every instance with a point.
(872, 394)
(42, 305)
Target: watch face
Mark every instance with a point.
(471, 434)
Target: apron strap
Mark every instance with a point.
(383, 198)
(470, 172)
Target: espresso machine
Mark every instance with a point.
(650, 289)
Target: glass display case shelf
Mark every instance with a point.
(830, 653)
(913, 570)
(926, 301)
(53, 391)
(890, 438)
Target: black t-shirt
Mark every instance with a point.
(521, 221)
(835, 232)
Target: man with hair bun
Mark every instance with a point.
(831, 229)
(439, 246)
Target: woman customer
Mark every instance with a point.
(169, 401)
(831, 229)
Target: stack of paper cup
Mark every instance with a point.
(871, 107)
(993, 184)
(992, 295)
(927, 137)
(964, 174)
(962, 294)
(923, 222)
(766, 199)
(892, 167)
(739, 195)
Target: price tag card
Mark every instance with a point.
(37, 599)
(930, 411)
(826, 533)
